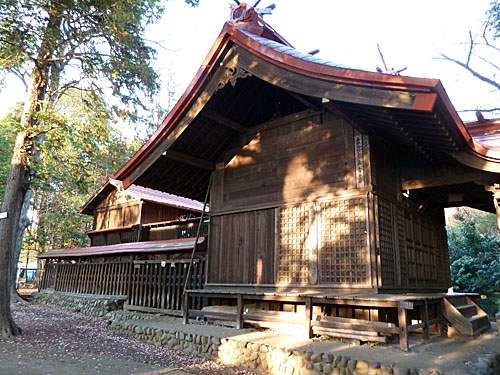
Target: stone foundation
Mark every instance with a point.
(90, 305)
(266, 358)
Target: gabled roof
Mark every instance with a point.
(139, 193)
(124, 248)
(487, 132)
(406, 109)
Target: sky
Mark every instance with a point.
(410, 33)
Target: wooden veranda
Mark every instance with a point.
(373, 317)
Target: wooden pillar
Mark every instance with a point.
(185, 308)
(440, 323)
(425, 320)
(308, 317)
(403, 327)
(239, 311)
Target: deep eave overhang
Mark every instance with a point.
(125, 248)
(425, 93)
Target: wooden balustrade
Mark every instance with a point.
(159, 284)
(151, 284)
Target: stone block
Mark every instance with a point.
(351, 364)
(318, 366)
(315, 358)
(401, 371)
(328, 358)
(215, 340)
(327, 368)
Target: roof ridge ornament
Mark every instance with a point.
(248, 17)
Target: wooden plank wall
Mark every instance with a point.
(263, 198)
(117, 210)
(153, 213)
(413, 248)
(295, 162)
(242, 248)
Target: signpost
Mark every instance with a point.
(3, 215)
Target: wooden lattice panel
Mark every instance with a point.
(293, 262)
(386, 242)
(343, 250)
(401, 246)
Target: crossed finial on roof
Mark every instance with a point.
(248, 16)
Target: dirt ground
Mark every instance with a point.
(55, 342)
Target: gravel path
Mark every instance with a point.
(56, 342)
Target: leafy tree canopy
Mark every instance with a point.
(474, 245)
(91, 41)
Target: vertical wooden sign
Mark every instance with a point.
(359, 160)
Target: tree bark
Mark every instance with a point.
(18, 182)
(15, 191)
(18, 243)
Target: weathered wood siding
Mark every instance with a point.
(117, 210)
(413, 247)
(242, 248)
(152, 213)
(291, 208)
(299, 161)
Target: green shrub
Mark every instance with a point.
(474, 245)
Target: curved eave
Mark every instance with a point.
(424, 89)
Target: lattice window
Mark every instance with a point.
(402, 246)
(293, 253)
(343, 252)
(386, 242)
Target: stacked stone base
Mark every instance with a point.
(267, 358)
(95, 305)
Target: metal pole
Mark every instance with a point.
(197, 235)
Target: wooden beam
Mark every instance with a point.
(183, 122)
(445, 179)
(281, 121)
(239, 311)
(403, 328)
(425, 320)
(308, 317)
(323, 88)
(222, 120)
(303, 100)
(189, 160)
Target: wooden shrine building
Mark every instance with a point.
(327, 187)
(139, 236)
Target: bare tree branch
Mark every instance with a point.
(472, 71)
(497, 109)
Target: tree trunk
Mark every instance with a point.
(18, 182)
(15, 191)
(24, 221)
(18, 244)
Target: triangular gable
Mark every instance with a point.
(138, 193)
(237, 54)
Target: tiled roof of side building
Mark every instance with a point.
(151, 195)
